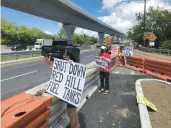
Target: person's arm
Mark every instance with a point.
(67, 57)
(49, 62)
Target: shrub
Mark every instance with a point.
(166, 44)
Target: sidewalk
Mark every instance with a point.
(119, 108)
(152, 55)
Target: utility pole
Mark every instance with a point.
(145, 1)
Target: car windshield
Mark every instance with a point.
(17, 45)
(59, 43)
(37, 43)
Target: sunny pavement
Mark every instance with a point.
(119, 108)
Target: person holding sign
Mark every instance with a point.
(104, 70)
(71, 109)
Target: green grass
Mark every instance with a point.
(8, 58)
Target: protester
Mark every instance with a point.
(71, 110)
(104, 73)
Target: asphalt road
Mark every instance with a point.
(118, 109)
(21, 77)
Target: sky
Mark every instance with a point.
(120, 15)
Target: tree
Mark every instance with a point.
(158, 21)
(13, 34)
(61, 35)
(166, 44)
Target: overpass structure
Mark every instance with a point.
(66, 12)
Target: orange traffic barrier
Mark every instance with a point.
(37, 109)
(25, 111)
(135, 63)
(159, 68)
(44, 125)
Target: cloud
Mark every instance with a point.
(122, 14)
(49, 33)
(109, 4)
(81, 31)
(116, 22)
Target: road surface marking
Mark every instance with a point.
(116, 72)
(13, 68)
(19, 75)
(89, 56)
(132, 73)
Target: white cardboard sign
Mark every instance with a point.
(67, 81)
(102, 62)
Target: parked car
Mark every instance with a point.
(19, 47)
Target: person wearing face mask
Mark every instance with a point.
(104, 73)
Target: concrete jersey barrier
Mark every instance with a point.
(36, 108)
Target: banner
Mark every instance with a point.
(114, 50)
(67, 81)
(128, 51)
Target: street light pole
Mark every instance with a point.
(144, 19)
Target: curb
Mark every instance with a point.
(144, 116)
(7, 63)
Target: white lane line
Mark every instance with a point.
(23, 66)
(89, 56)
(117, 72)
(132, 73)
(19, 75)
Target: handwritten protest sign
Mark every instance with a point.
(102, 62)
(128, 51)
(114, 50)
(67, 81)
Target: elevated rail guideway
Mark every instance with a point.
(66, 12)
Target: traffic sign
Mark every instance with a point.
(150, 36)
(146, 34)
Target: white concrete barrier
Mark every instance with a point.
(58, 117)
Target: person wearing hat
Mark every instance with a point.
(104, 73)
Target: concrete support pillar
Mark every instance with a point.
(101, 38)
(122, 39)
(69, 30)
(117, 38)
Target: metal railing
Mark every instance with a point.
(20, 53)
(84, 48)
(16, 55)
(164, 51)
